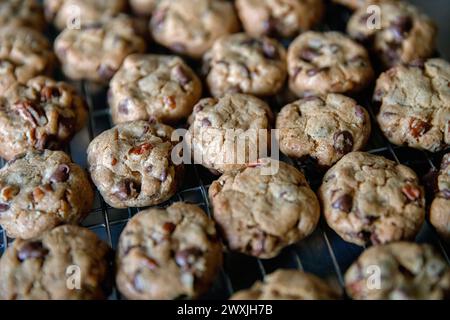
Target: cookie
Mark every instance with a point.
(131, 164)
(22, 13)
(69, 13)
(143, 7)
(285, 18)
(323, 127)
(153, 86)
(368, 199)
(285, 284)
(169, 253)
(357, 4)
(41, 114)
(405, 271)
(24, 54)
(40, 190)
(96, 51)
(327, 62)
(241, 63)
(264, 208)
(440, 207)
(415, 105)
(66, 263)
(405, 34)
(190, 27)
(227, 133)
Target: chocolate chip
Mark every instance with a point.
(49, 92)
(359, 111)
(105, 71)
(400, 27)
(206, 122)
(270, 26)
(343, 203)
(126, 189)
(411, 192)
(169, 227)
(187, 258)
(343, 142)
(32, 250)
(446, 194)
(61, 174)
(269, 50)
(182, 76)
(4, 207)
(418, 127)
(123, 106)
(309, 54)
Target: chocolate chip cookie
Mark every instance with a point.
(415, 104)
(156, 86)
(66, 263)
(22, 13)
(227, 133)
(263, 208)
(324, 127)
(404, 34)
(241, 63)
(24, 54)
(285, 18)
(96, 51)
(143, 7)
(131, 164)
(169, 253)
(440, 208)
(405, 271)
(68, 13)
(327, 62)
(41, 114)
(368, 199)
(190, 27)
(40, 190)
(285, 284)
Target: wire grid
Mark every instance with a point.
(323, 253)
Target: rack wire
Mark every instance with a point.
(323, 253)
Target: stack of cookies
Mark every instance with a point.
(240, 81)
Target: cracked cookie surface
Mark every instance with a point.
(41, 114)
(285, 284)
(264, 208)
(131, 164)
(24, 54)
(440, 207)
(41, 268)
(229, 132)
(327, 62)
(60, 12)
(190, 27)
(404, 34)
(168, 253)
(324, 127)
(407, 271)
(286, 18)
(96, 51)
(415, 105)
(368, 199)
(241, 63)
(22, 13)
(153, 86)
(40, 190)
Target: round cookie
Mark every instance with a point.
(24, 54)
(264, 208)
(143, 7)
(325, 127)
(96, 51)
(285, 284)
(41, 114)
(369, 199)
(357, 4)
(45, 268)
(62, 13)
(169, 253)
(415, 105)
(40, 190)
(407, 271)
(153, 86)
(227, 133)
(285, 18)
(131, 164)
(190, 27)
(327, 62)
(440, 207)
(22, 13)
(241, 63)
(405, 34)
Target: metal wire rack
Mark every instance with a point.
(323, 253)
